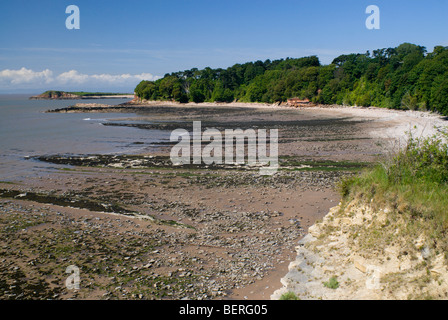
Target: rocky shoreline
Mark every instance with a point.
(59, 95)
(191, 246)
(360, 251)
(137, 105)
(139, 228)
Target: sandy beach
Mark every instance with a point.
(148, 230)
(397, 123)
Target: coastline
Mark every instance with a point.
(244, 227)
(77, 97)
(397, 123)
(364, 271)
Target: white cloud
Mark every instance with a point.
(29, 79)
(25, 76)
(72, 77)
(75, 77)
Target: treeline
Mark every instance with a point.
(405, 77)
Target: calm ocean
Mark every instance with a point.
(26, 130)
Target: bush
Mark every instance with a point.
(422, 159)
(289, 296)
(414, 183)
(409, 102)
(332, 283)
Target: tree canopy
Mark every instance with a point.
(405, 77)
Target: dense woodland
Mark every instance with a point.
(406, 77)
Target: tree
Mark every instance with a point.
(409, 102)
(439, 97)
(401, 77)
(196, 95)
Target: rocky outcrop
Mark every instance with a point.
(62, 95)
(54, 95)
(372, 256)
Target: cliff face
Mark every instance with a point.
(372, 254)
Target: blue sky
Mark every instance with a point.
(121, 42)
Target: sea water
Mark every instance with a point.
(26, 130)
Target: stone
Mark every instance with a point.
(439, 266)
(360, 265)
(314, 230)
(425, 252)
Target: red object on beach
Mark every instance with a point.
(296, 102)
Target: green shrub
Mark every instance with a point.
(332, 283)
(414, 183)
(422, 160)
(289, 296)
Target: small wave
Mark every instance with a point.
(96, 120)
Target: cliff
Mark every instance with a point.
(388, 238)
(358, 252)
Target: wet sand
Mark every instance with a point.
(181, 232)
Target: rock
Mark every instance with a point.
(439, 267)
(425, 252)
(314, 230)
(360, 265)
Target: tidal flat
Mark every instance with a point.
(138, 227)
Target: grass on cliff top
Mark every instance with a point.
(413, 183)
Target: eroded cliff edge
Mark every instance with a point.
(371, 253)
